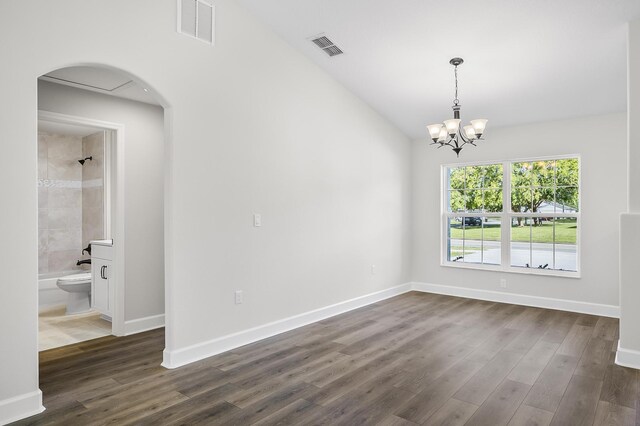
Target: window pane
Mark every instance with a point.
(456, 178)
(492, 200)
(521, 199)
(521, 174)
(492, 251)
(489, 176)
(567, 199)
(474, 177)
(455, 240)
(473, 200)
(472, 239)
(543, 200)
(521, 241)
(541, 243)
(492, 176)
(456, 201)
(567, 173)
(543, 173)
(566, 233)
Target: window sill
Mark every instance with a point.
(512, 270)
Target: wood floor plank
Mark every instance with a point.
(485, 381)
(435, 395)
(530, 416)
(548, 390)
(578, 405)
(576, 340)
(605, 328)
(620, 385)
(594, 360)
(501, 405)
(453, 413)
(531, 365)
(398, 362)
(614, 415)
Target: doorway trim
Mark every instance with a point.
(115, 201)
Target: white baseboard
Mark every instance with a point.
(20, 407)
(521, 299)
(180, 357)
(143, 324)
(627, 357)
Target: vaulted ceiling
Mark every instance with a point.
(525, 61)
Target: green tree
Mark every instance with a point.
(476, 188)
(539, 182)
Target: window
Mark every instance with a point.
(518, 216)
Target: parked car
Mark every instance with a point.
(472, 221)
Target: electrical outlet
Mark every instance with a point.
(257, 220)
(373, 269)
(239, 297)
(503, 283)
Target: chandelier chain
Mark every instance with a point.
(456, 101)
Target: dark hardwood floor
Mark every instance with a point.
(414, 359)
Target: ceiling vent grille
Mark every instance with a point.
(196, 19)
(327, 46)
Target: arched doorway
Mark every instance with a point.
(124, 188)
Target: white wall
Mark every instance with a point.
(603, 194)
(629, 344)
(144, 192)
(254, 127)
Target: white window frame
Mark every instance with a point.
(505, 219)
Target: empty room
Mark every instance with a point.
(320, 212)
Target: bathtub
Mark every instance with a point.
(49, 295)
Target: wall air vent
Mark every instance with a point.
(196, 19)
(327, 46)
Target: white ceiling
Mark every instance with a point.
(101, 80)
(525, 61)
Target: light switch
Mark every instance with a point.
(257, 219)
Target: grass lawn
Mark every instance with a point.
(565, 232)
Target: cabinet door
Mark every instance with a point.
(100, 283)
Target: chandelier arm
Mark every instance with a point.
(464, 138)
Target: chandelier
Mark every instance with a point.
(449, 133)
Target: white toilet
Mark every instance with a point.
(79, 288)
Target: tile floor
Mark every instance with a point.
(57, 329)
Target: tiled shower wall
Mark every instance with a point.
(93, 188)
(62, 220)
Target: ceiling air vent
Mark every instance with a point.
(324, 43)
(196, 19)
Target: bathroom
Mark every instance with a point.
(71, 214)
(100, 177)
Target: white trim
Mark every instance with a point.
(21, 407)
(143, 324)
(180, 357)
(511, 269)
(521, 299)
(117, 200)
(627, 357)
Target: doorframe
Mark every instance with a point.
(114, 200)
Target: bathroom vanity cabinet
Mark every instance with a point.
(102, 288)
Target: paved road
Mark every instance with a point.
(540, 254)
